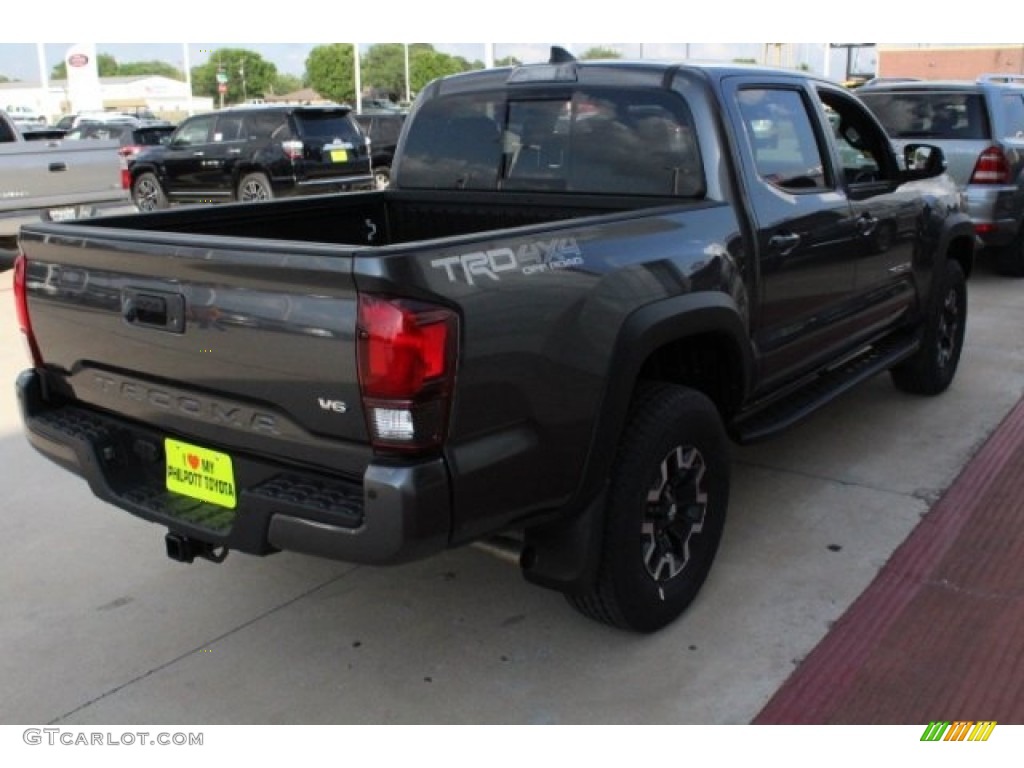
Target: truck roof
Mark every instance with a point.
(645, 72)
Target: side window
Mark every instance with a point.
(229, 128)
(864, 150)
(195, 131)
(1013, 109)
(781, 133)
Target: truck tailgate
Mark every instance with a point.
(54, 174)
(265, 340)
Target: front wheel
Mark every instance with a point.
(254, 187)
(931, 369)
(665, 512)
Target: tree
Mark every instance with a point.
(248, 75)
(383, 68)
(285, 83)
(507, 61)
(105, 63)
(142, 68)
(426, 64)
(600, 53)
(331, 71)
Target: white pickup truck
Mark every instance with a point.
(51, 179)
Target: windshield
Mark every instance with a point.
(603, 141)
(938, 115)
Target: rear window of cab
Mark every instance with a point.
(598, 141)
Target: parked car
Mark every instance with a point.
(383, 129)
(67, 122)
(25, 117)
(980, 129)
(254, 153)
(133, 137)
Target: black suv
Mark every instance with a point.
(383, 129)
(980, 128)
(254, 153)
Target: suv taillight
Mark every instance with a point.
(21, 308)
(407, 357)
(292, 149)
(991, 168)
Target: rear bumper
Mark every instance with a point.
(996, 212)
(397, 513)
(338, 184)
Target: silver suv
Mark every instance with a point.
(980, 128)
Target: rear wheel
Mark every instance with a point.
(931, 369)
(254, 187)
(665, 512)
(147, 194)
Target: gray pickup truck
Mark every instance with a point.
(47, 178)
(585, 280)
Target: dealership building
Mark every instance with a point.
(163, 96)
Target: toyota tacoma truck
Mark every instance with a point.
(587, 280)
(44, 177)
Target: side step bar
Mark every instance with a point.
(780, 414)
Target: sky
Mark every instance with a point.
(716, 31)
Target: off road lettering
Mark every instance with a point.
(529, 259)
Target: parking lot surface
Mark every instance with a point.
(100, 627)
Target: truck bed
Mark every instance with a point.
(390, 217)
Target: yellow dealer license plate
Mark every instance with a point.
(339, 155)
(200, 473)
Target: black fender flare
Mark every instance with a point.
(563, 554)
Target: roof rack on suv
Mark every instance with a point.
(1000, 77)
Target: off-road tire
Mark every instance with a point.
(931, 369)
(665, 511)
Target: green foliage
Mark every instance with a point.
(383, 69)
(507, 61)
(285, 83)
(600, 53)
(249, 75)
(142, 68)
(426, 65)
(330, 71)
(745, 61)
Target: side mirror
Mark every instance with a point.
(922, 161)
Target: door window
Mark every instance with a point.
(781, 134)
(196, 131)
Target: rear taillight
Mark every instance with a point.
(991, 168)
(126, 175)
(21, 308)
(292, 149)
(407, 357)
